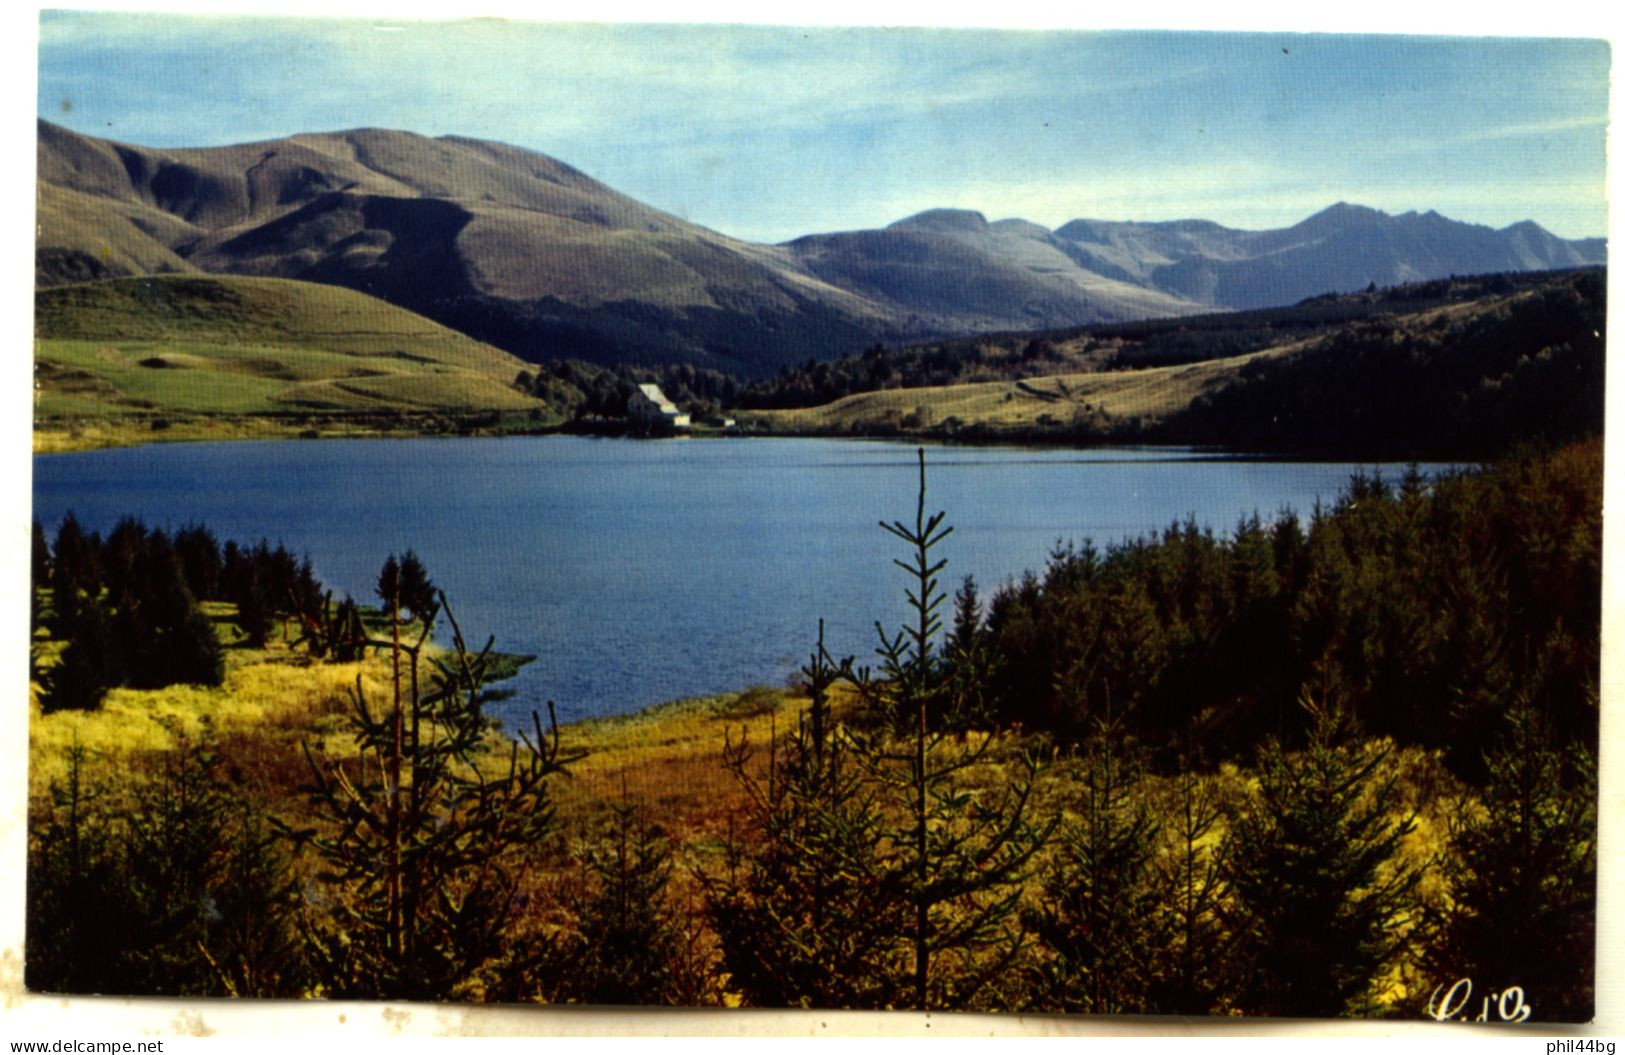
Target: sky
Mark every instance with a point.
(770, 132)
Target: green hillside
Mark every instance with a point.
(1459, 368)
(191, 345)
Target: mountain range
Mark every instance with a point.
(533, 256)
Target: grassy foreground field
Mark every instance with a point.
(275, 698)
(667, 762)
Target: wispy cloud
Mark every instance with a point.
(1526, 130)
(776, 131)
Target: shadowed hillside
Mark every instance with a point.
(502, 243)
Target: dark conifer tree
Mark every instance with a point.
(349, 635)
(969, 664)
(389, 584)
(40, 559)
(1191, 968)
(419, 847)
(1522, 874)
(960, 856)
(165, 637)
(76, 576)
(1098, 912)
(806, 914)
(90, 664)
(281, 580)
(255, 948)
(199, 554)
(967, 619)
(77, 555)
(1287, 544)
(176, 831)
(1319, 891)
(417, 590)
(38, 582)
(123, 556)
(78, 905)
(403, 582)
(628, 939)
(234, 565)
(256, 613)
(192, 650)
(307, 598)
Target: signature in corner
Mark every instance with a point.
(1505, 1006)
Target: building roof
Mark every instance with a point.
(653, 394)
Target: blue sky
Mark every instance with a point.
(768, 132)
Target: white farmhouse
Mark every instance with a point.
(651, 412)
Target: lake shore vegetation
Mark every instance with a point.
(1321, 766)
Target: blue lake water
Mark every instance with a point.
(639, 572)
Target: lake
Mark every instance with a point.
(639, 572)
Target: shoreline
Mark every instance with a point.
(64, 437)
(107, 434)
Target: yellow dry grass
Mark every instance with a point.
(666, 761)
(86, 435)
(270, 700)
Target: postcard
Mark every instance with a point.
(923, 525)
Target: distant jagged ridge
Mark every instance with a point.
(1338, 250)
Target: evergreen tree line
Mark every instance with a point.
(1424, 609)
(585, 391)
(817, 382)
(888, 868)
(901, 847)
(127, 609)
(128, 606)
(1124, 895)
(1529, 372)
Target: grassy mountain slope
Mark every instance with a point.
(212, 345)
(84, 237)
(502, 243)
(952, 271)
(1462, 367)
(1080, 403)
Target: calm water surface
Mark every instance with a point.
(639, 572)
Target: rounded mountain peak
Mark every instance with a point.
(946, 220)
